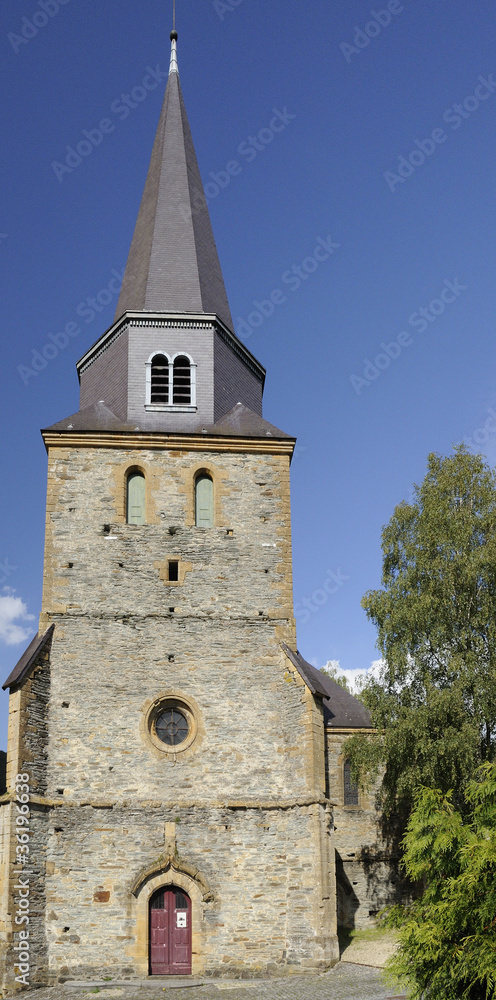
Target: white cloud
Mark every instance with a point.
(334, 668)
(13, 611)
(375, 668)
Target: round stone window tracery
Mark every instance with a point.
(171, 725)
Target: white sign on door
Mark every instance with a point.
(180, 920)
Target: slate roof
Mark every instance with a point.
(341, 709)
(28, 658)
(239, 422)
(173, 263)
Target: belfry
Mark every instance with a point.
(179, 759)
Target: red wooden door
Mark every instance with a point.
(170, 933)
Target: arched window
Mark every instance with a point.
(135, 497)
(350, 786)
(160, 379)
(170, 383)
(181, 394)
(204, 501)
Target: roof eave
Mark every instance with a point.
(28, 658)
(296, 660)
(208, 319)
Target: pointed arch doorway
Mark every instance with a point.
(170, 932)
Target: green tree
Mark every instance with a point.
(332, 671)
(434, 704)
(447, 938)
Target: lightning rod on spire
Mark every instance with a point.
(173, 68)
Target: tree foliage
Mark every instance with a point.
(434, 703)
(447, 938)
(332, 671)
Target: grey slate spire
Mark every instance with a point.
(173, 265)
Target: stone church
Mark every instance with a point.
(177, 802)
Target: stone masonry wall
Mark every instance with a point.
(249, 710)
(367, 876)
(25, 882)
(253, 842)
(90, 569)
(259, 865)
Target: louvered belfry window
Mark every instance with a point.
(181, 394)
(160, 380)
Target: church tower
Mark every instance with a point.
(164, 733)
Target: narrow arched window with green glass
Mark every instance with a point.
(350, 786)
(204, 501)
(135, 500)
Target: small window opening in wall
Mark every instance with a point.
(60, 791)
(58, 829)
(106, 529)
(135, 497)
(350, 786)
(65, 704)
(171, 658)
(66, 929)
(173, 571)
(204, 501)
(70, 565)
(229, 532)
(121, 565)
(171, 610)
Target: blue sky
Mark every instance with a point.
(364, 129)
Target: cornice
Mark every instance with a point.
(351, 730)
(176, 321)
(166, 442)
(254, 803)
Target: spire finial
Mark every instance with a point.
(173, 68)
